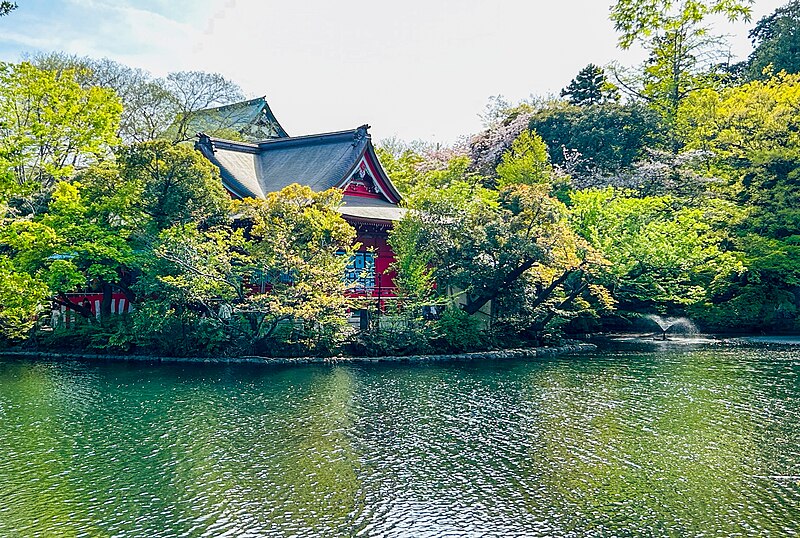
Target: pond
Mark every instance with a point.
(672, 442)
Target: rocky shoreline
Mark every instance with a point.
(524, 353)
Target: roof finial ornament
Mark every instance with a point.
(360, 134)
(204, 140)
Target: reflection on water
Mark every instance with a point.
(666, 443)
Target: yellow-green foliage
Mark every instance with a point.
(22, 297)
(48, 123)
(525, 163)
(739, 120)
(660, 249)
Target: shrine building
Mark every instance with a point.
(344, 160)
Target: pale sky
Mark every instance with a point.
(415, 69)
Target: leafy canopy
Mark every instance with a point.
(682, 52)
(590, 87)
(776, 43)
(49, 124)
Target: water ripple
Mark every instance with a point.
(677, 443)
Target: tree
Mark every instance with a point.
(22, 298)
(174, 184)
(191, 279)
(6, 7)
(148, 106)
(735, 122)
(284, 279)
(513, 248)
(590, 87)
(302, 245)
(638, 20)
(96, 230)
(92, 252)
(776, 42)
(486, 149)
(681, 49)
(152, 107)
(750, 133)
(49, 125)
(663, 253)
(594, 143)
(192, 91)
(525, 163)
(423, 166)
(70, 249)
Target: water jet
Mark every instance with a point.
(667, 323)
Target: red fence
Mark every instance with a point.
(61, 315)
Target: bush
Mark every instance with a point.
(401, 338)
(460, 331)
(159, 329)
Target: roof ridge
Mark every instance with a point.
(263, 99)
(288, 140)
(224, 143)
(331, 134)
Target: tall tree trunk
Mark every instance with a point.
(105, 303)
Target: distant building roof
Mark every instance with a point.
(251, 120)
(320, 161)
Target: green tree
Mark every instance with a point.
(96, 231)
(283, 282)
(174, 184)
(682, 52)
(751, 133)
(525, 163)
(92, 252)
(419, 166)
(70, 249)
(735, 122)
(764, 296)
(49, 124)
(776, 42)
(513, 248)
(664, 254)
(590, 87)
(596, 141)
(22, 298)
(302, 245)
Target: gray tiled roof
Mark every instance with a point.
(371, 209)
(321, 161)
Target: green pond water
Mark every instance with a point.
(672, 442)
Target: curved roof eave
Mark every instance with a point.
(383, 173)
(370, 149)
(228, 179)
(282, 133)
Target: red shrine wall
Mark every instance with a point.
(366, 182)
(384, 257)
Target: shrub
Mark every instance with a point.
(460, 331)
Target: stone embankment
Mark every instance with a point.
(525, 353)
